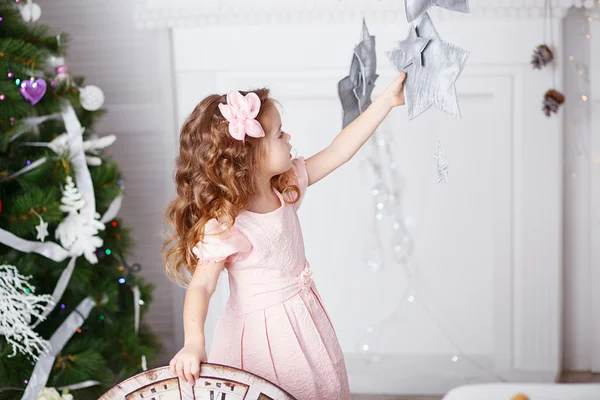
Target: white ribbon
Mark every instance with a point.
(28, 168)
(59, 289)
(83, 178)
(61, 336)
(31, 123)
(50, 250)
(80, 385)
(113, 209)
(136, 308)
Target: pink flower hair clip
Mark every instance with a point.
(241, 112)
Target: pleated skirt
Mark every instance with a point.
(292, 344)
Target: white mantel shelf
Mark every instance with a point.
(195, 13)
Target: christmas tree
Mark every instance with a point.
(70, 302)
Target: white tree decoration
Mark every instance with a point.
(18, 307)
(52, 394)
(77, 233)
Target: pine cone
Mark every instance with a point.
(552, 101)
(542, 56)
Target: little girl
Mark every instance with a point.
(238, 191)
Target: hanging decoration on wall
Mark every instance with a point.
(442, 165)
(543, 56)
(390, 231)
(416, 8)
(432, 81)
(552, 102)
(355, 89)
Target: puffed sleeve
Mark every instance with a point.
(219, 244)
(301, 176)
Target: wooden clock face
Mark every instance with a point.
(217, 382)
(205, 389)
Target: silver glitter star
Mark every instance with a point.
(409, 51)
(415, 8)
(441, 164)
(356, 88)
(433, 82)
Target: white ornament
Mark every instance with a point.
(77, 233)
(42, 228)
(30, 12)
(60, 145)
(52, 394)
(442, 165)
(18, 307)
(91, 98)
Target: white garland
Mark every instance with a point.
(19, 305)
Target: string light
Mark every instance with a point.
(584, 97)
(121, 280)
(387, 196)
(114, 223)
(107, 251)
(102, 318)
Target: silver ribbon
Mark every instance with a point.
(49, 250)
(28, 168)
(80, 385)
(59, 289)
(113, 209)
(136, 308)
(61, 336)
(77, 158)
(32, 123)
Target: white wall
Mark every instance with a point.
(485, 226)
(133, 69)
(582, 183)
(489, 244)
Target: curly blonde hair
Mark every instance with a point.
(214, 177)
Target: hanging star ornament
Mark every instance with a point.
(415, 8)
(431, 74)
(441, 165)
(42, 228)
(356, 88)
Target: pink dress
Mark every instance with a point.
(274, 324)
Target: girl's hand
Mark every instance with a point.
(186, 363)
(395, 91)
